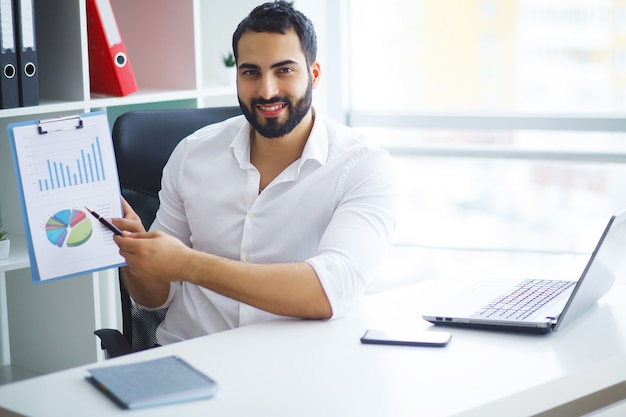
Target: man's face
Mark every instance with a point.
(274, 84)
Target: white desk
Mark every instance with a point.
(315, 368)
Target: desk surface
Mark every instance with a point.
(319, 368)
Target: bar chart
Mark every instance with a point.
(85, 166)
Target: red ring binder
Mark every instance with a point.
(110, 71)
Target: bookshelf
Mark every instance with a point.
(175, 48)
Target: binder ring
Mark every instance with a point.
(62, 123)
(9, 71)
(120, 59)
(30, 69)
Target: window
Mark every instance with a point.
(488, 55)
(505, 117)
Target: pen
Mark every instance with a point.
(105, 222)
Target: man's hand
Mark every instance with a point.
(148, 292)
(131, 221)
(154, 256)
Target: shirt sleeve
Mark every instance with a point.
(360, 231)
(171, 217)
(174, 287)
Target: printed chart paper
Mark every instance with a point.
(63, 165)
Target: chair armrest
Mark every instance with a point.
(113, 342)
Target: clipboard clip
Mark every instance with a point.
(59, 124)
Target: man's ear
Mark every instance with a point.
(316, 73)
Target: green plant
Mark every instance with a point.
(2, 232)
(229, 60)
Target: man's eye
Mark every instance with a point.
(285, 70)
(250, 73)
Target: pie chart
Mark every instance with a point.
(69, 228)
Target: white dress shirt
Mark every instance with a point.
(334, 208)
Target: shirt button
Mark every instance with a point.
(247, 258)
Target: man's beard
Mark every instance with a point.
(270, 127)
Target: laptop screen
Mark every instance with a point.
(601, 270)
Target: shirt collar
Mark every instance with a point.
(240, 146)
(316, 147)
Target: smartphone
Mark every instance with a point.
(422, 338)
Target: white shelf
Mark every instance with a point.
(18, 255)
(143, 96)
(170, 48)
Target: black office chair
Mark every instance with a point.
(143, 141)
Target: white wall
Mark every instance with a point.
(328, 17)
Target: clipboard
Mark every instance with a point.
(63, 165)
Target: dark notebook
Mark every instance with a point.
(150, 383)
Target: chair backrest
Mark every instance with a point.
(143, 141)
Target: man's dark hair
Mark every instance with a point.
(278, 17)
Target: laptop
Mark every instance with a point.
(537, 305)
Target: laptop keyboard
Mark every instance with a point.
(524, 299)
